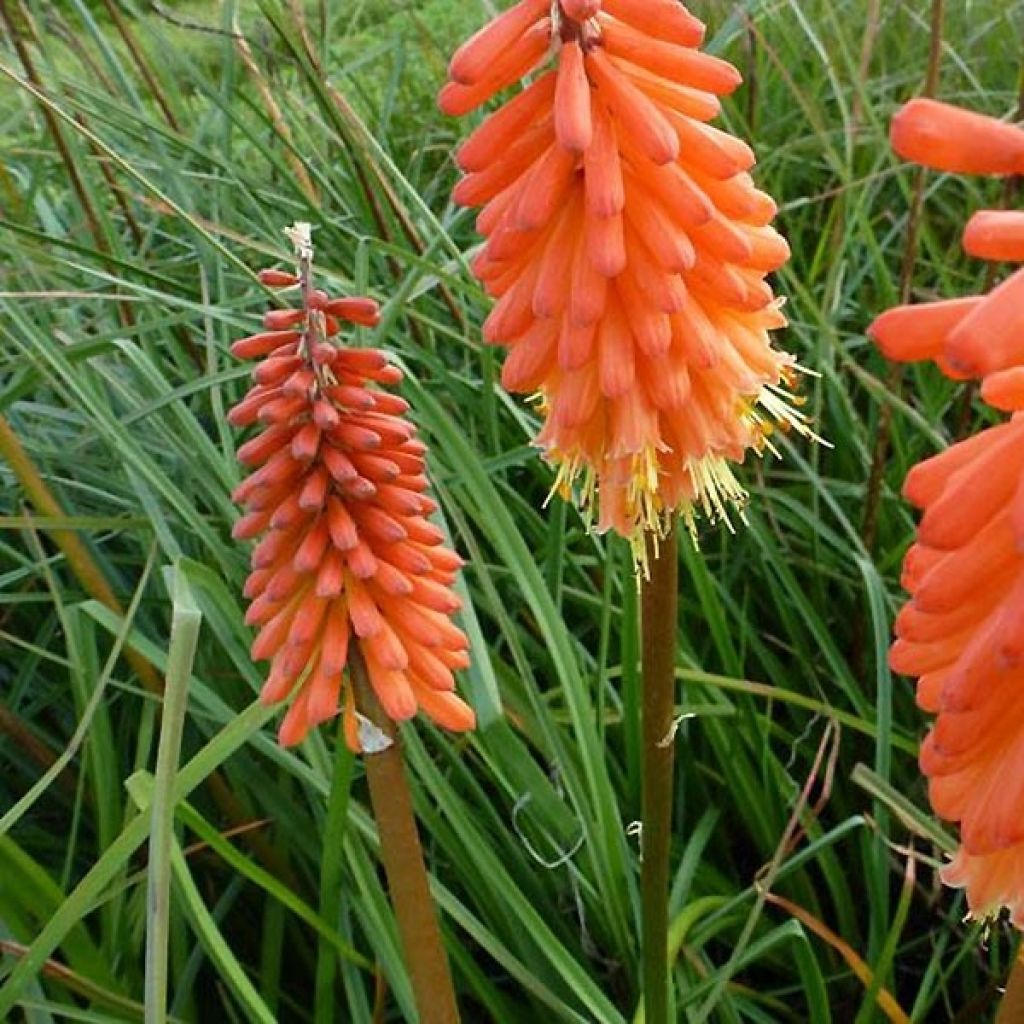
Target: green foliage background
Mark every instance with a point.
(115, 373)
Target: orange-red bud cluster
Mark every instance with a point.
(961, 631)
(627, 249)
(346, 552)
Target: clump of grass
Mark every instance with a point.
(115, 373)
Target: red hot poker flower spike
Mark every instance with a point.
(627, 249)
(960, 633)
(346, 553)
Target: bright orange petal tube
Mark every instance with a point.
(908, 334)
(996, 235)
(948, 138)
(626, 249)
(346, 554)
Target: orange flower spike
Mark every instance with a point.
(961, 635)
(960, 632)
(626, 247)
(343, 530)
(948, 138)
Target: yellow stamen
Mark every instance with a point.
(717, 493)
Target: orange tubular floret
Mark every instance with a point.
(635, 114)
(675, 63)
(663, 19)
(948, 138)
(908, 334)
(338, 500)
(988, 339)
(573, 124)
(626, 248)
(503, 128)
(996, 235)
(602, 168)
(476, 57)
(1005, 390)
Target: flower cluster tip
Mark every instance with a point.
(337, 500)
(627, 251)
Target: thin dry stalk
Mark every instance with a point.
(15, 19)
(139, 59)
(274, 113)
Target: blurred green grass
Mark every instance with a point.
(114, 372)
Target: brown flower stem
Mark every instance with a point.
(1011, 1010)
(894, 380)
(425, 956)
(139, 60)
(10, 14)
(79, 559)
(659, 604)
(20, 734)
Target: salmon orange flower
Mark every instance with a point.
(627, 249)
(347, 554)
(961, 631)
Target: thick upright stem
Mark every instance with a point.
(659, 616)
(425, 956)
(1011, 1010)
